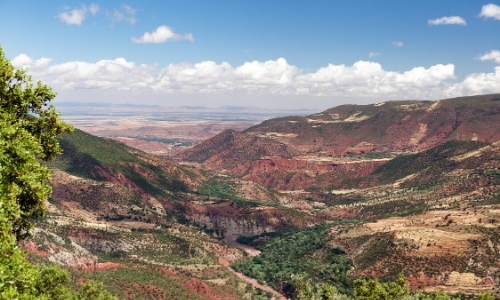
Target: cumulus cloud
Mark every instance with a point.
(397, 44)
(369, 79)
(490, 11)
(23, 61)
(161, 35)
(274, 77)
(77, 16)
(492, 55)
(452, 20)
(373, 54)
(476, 84)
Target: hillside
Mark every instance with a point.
(433, 216)
(347, 141)
(387, 126)
(229, 148)
(129, 218)
(417, 180)
(166, 229)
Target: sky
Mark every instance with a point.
(277, 54)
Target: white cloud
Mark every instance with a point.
(125, 14)
(74, 17)
(492, 55)
(23, 61)
(120, 17)
(77, 16)
(369, 79)
(274, 77)
(490, 11)
(397, 44)
(476, 84)
(161, 35)
(93, 8)
(373, 54)
(451, 20)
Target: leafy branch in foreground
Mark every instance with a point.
(28, 136)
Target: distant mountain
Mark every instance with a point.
(194, 107)
(100, 104)
(314, 148)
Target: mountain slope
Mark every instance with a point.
(103, 159)
(433, 216)
(129, 218)
(348, 141)
(230, 147)
(392, 125)
(421, 177)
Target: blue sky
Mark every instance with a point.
(313, 54)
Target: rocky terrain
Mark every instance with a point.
(351, 141)
(422, 176)
(372, 191)
(117, 213)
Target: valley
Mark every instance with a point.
(250, 150)
(368, 191)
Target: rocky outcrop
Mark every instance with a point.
(226, 217)
(58, 250)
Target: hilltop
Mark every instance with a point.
(346, 141)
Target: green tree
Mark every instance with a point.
(367, 290)
(374, 290)
(305, 290)
(29, 131)
(28, 136)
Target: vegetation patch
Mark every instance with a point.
(305, 251)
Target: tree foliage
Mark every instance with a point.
(304, 251)
(28, 136)
(367, 290)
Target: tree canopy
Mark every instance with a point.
(29, 128)
(368, 290)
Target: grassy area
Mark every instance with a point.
(91, 157)
(216, 187)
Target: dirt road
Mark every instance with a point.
(256, 284)
(231, 240)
